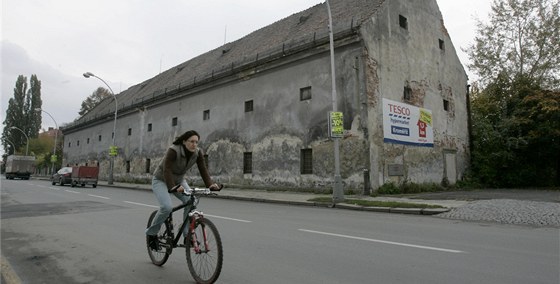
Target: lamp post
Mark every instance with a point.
(111, 160)
(13, 145)
(53, 158)
(27, 137)
(338, 193)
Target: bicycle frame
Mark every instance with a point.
(192, 216)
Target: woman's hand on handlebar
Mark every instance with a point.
(216, 187)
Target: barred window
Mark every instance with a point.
(306, 161)
(247, 162)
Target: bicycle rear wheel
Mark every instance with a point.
(159, 257)
(205, 263)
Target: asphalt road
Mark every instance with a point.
(53, 234)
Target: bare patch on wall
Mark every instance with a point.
(372, 80)
(417, 93)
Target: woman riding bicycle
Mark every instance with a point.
(178, 159)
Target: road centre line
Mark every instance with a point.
(228, 218)
(382, 241)
(98, 196)
(141, 204)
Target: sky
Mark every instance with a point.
(129, 41)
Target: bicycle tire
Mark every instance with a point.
(205, 266)
(159, 257)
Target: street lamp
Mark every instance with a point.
(111, 160)
(27, 137)
(55, 138)
(13, 145)
(338, 192)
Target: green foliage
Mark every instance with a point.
(90, 102)
(520, 40)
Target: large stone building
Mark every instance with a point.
(262, 104)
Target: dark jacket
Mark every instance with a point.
(177, 161)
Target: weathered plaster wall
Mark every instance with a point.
(411, 57)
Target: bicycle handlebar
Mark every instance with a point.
(198, 190)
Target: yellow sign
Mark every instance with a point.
(113, 150)
(425, 117)
(336, 124)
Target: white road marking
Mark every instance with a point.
(98, 196)
(228, 218)
(141, 204)
(382, 241)
(72, 191)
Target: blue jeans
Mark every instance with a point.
(165, 205)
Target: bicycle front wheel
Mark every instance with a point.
(159, 257)
(204, 252)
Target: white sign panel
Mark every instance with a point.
(407, 124)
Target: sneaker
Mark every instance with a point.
(153, 242)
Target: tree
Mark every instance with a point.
(516, 115)
(21, 113)
(90, 102)
(520, 40)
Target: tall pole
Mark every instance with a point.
(13, 145)
(338, 192)
(55, 138)
(111, 160)
(26, 137)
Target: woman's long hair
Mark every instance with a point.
(179, 140)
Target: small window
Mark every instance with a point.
(446, 105)
(99, 138)
(403, 22)
(112, 134)
(148, 162)
(407, 93)
(174, 121)
(206, 115)
(441, 44)
(247, 163)
(78, 143)
(87, 141)
(69, 144)
(127, 166)
(306, 161)
(149, 127)
(249, 106)
(305, 94)
(129, 131)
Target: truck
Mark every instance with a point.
(82, 175)
(18, 166)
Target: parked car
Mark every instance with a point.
(63, 176)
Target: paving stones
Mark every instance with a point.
(508, 211)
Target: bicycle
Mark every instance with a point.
(203, 243)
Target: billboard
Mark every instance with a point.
(407, 124)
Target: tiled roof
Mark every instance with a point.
(291, 31)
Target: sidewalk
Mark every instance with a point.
(299, 198)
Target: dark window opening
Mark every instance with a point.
(306, 161)
(305, 94)
(247, 163)
(441, 44)
(149, 127)
(206, 115)
(249, 106)
(87, 141)
(174, 121)
(127, 166)
(99, 138)
(446, 105)
(78, 143)
(69, 144)
(407, 93)
(403, 22)
(148, 162)
(129, 131)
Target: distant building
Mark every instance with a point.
(262, 103)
